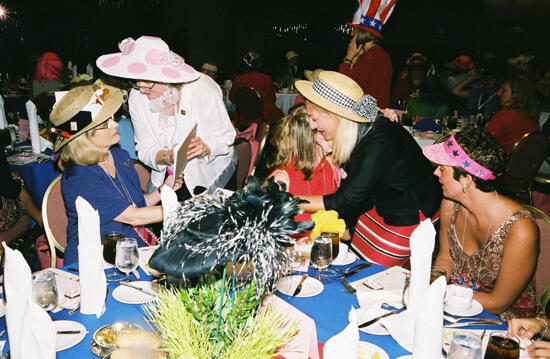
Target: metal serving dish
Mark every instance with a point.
(104, 339)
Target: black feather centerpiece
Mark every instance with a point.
(252, 227)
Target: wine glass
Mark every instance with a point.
(465, 345)
(127, 257)
(321, 254)
(44, 289)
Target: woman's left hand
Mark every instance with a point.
(539, 349)
(177, 183)
(197, 148)
(389, 114)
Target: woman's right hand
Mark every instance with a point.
(525, 327)
(165, 157)
(539, 350)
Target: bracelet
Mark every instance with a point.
(20, 180)
(542, 333)
(165, 160)
(347, 60)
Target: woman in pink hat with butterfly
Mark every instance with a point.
(168, 99)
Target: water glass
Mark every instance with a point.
(465, 345)
(44, 288)
(321, 254)
(127, 257)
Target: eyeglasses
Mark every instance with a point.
(143, 89)
(106, 125)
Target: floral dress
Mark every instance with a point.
(480, 270)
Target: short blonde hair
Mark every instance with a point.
(295, 139)
(82, 151)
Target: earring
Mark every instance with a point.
(464, 189)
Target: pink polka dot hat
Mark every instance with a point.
(147, 58)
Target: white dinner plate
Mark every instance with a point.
(367, 350)
(65, 341)
(344, 260)
(375, 329)
(406, 357)
(145, 253)
(128, 295)
(311, 286)
(474, 310)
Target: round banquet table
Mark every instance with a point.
(329, 310)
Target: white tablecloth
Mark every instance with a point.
(285, 101)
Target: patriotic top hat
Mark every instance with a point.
(372, 15)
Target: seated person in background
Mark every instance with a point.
(407, 87)
(528, 328)
(518, 115)
(302, 164)
(261, 83)
(101, 174)
(487, 241)
(49, 74)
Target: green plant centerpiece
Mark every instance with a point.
(213, 317)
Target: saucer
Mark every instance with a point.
(66, 341)
(129, 295)
(474, 310)
(348, 259)
(310, 287)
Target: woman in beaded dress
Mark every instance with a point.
(487, 241)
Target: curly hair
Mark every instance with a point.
(523, 96)
(295, 139)
(483, 148)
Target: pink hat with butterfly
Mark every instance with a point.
(147, 58)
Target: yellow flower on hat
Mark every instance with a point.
(327, 221)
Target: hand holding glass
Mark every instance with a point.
(127, 257)
(44, 288)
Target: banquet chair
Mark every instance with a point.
(244, 153)
(523, 164)
(250, 107)
(542, 275)
(55, 220)
(144, 174)
(261, 136)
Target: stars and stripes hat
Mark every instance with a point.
(449, 153)
(372, 15)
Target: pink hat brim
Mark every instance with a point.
(437, 154)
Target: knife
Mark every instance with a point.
(69, 332)
(299, 287)
(374, 320)
(348, 286)
(473, 322)
(366, 265)
(148, 292)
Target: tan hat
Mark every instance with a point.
(82, 109)
(312, 75)
(339, 94)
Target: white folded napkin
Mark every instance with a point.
(75, 70)
(3, 121)
(93, 284)
(30, 329)
(90, 70)
(33, 127)
(170, 204)
(422, 245)
(346, 343)
(375, 298)
(421, 331)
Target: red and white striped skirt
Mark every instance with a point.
(381, 243)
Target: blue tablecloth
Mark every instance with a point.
(37, 177)
(329, 310)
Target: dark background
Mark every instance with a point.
(221, 31)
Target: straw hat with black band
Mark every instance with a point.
(339, 94)
(82, 109)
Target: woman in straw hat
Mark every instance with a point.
(169, 98)
(303, 164)
(487, 241)
(389, 184)
(98, 172)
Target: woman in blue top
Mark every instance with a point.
(94, 170)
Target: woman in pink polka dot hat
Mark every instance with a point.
(168, 98)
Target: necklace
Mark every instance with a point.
(124, 192)
(474, 282)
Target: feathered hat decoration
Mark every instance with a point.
(372, 15)
(251, 227)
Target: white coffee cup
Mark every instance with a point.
(458, 298)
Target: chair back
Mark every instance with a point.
(55, 220)
(144, 174)
(244, 153)
(249, 104)
(261, 136)
(527, 156)
(542, 274)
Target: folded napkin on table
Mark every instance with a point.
(33, 127)
(391, 280)
(93, 284)
(346, 343)
(30, 329)
(170, 204)
(3, 121)
(422, 245)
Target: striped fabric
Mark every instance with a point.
(146, 235)
(383, 244)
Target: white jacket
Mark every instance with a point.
(201, 102)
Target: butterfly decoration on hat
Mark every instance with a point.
(372, 15)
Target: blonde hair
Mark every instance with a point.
(82, 151)
(295, 138)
